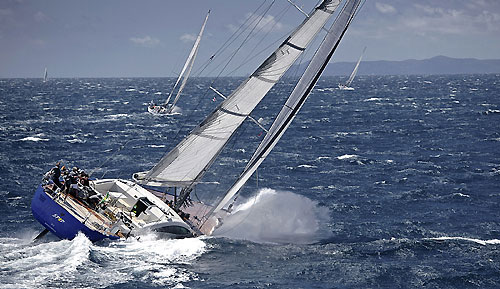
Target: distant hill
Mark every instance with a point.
(434, 65)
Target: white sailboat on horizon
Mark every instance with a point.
(45, 75)
(131, 207)
(167, 107)
(347, 84)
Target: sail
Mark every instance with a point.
(188, 65)
(297, 98)
(355, 71)
(190, 159)
(45, 75)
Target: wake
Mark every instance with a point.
(276, 217)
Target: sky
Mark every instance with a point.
(125, 38)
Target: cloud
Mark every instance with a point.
(188, 37)
(41, 17)
(385, 8)
(39, 42)
(146, 41)
(431, 19)
(263, 24)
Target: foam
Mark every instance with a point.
(478, 241)
(276, 217)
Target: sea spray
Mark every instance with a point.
(79, 262)
(276, 217)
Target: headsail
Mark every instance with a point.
(186, 70)
(355, 71)
(297, 98)
(191, 158)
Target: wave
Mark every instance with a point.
(79, 262)
(35, 139)
(76, 140)
(345, 157)
(478, 241)
(276, 217)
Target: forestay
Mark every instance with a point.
(190, 159)
(297, 98)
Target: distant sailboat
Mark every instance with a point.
(45, 75)
(167, 107)
(118, 209)
(347, 85)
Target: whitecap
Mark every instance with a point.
(75, 140)
(116, 116)
(35, 139)
(344, 157)
(478, 241)
(306, 166)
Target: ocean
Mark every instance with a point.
(395, 184)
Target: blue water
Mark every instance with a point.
(393, 185)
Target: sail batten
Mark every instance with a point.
(190, 159)
(297, 97)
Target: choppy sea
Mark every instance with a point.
(395, 184)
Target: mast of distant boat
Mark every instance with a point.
(355, 70)
(186, 70)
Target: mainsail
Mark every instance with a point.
(184, 165)
(355, 71)
(297, 98)
(186, 70)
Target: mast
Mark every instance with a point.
(355, 71)
(297, 98)
(184, 165)
(188, 65)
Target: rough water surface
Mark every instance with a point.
(393, 185)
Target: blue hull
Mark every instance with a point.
(59, 221)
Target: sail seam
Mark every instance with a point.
(233, 112)
(209, 136)
(295, 46)
(265, 79)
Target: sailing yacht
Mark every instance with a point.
(116, 208)
(45, 75)
(167, 107)
(347, 84)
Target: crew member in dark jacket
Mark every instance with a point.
(56, 174)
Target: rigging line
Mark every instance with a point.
(250, 34)
(230, 40)
(109, 158)
(249, 55)
(222, 48)
(249, 22)
(230, 147)
(250, 58)
(278, 92)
